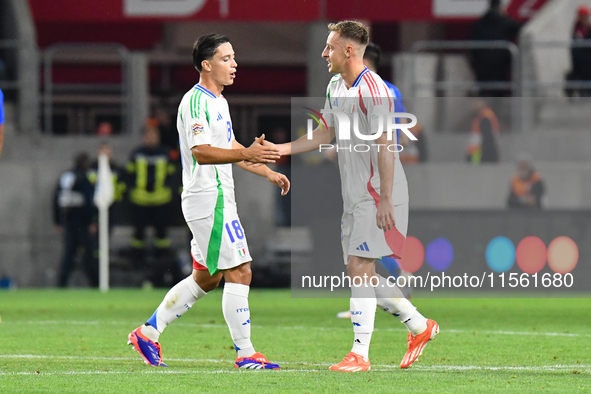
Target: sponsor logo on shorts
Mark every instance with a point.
(363, 247)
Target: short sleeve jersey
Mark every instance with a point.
(370, 99)
(204, 119)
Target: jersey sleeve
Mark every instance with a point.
(196, 120)
(327, 105)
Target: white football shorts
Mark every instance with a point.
(360, 235)
(219, 242)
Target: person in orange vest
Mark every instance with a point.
(527, 187)
(482, 145)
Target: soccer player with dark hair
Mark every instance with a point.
(374, 190)
(219, 246)
(371, 59)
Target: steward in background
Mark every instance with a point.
(151, 187)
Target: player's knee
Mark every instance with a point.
(241, 274)
(352, 269)
(206, 281)
(357, 266)
(245, 269)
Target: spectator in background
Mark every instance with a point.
(73, 213)
(104, 129)
(150, 171)
(169, 137)
(493, 65)
(1, 120)
(581, 56)
(527, 187)
(482, 144)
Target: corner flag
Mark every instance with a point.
(103, 198)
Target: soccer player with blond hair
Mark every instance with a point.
(374, 191)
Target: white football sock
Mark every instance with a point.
(177, 301)
(237, 315)
(363, 313)
(391, 300)
(416, 323)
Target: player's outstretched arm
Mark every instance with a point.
(264, 171)
(321, 135)
(255, 153)
(385, 215)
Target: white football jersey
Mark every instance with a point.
(204, 119)
(369, 98)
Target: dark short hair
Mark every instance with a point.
(352, 30)
(205, 48)
(494, 4)
(373, 54)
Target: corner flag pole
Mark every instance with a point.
(103, 198)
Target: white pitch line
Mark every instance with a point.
(578, 367)
(526, 333)
(197, 325)
(382, 367)
(163, 371)
(562, 368)
(92, 358)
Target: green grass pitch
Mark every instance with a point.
(75, 341)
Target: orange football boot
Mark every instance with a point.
(352, 362)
